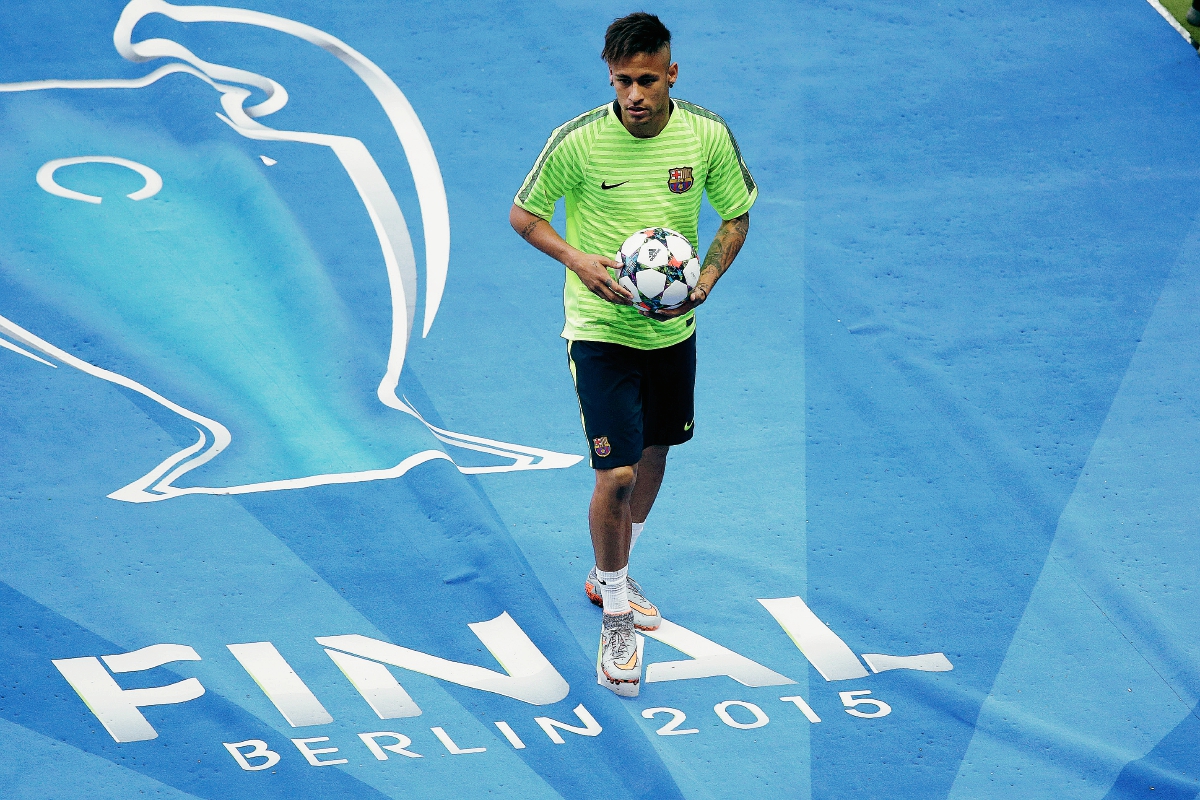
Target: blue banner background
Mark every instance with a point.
(946, 394)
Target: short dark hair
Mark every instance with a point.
(636, 33)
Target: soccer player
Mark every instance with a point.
(641, 161)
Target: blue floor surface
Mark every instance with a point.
(947, 409)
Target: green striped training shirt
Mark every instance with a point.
(616, 184)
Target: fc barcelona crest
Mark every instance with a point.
(601, 446)
(680, 179)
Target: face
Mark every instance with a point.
(643, 84)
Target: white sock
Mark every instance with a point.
(637, 531)
(612, 589)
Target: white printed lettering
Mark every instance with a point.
(454, 749)
(117, 708)
(708, 659)
(823, 648)
(511, 735)
(590, 726)
(926, 662)
(672, 727)
(722, 709)
(804, 707)
(402, 741)
(258, 750)
(310, 755)
(150, 657)
(377, 685)
(852, 699)
(280, 683)
(530, 677)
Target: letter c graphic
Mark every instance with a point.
(45, 177)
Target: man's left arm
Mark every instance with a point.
(724, 249)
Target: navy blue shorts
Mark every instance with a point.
(631, 399)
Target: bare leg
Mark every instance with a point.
(609, 518)
(649, 477)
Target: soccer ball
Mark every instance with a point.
(659, 268)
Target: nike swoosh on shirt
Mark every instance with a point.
(604, 185)
(687, 427)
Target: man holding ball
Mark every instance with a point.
(641, 161)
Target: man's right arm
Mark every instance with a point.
(592, 270)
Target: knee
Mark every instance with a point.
(655, 454)
(617, 482)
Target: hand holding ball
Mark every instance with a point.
(659, 268)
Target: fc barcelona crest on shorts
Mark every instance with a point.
(601, 446)
(680, 179)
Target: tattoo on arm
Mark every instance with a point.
(528, 229)
(724, 249)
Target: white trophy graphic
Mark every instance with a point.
(328, 452)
